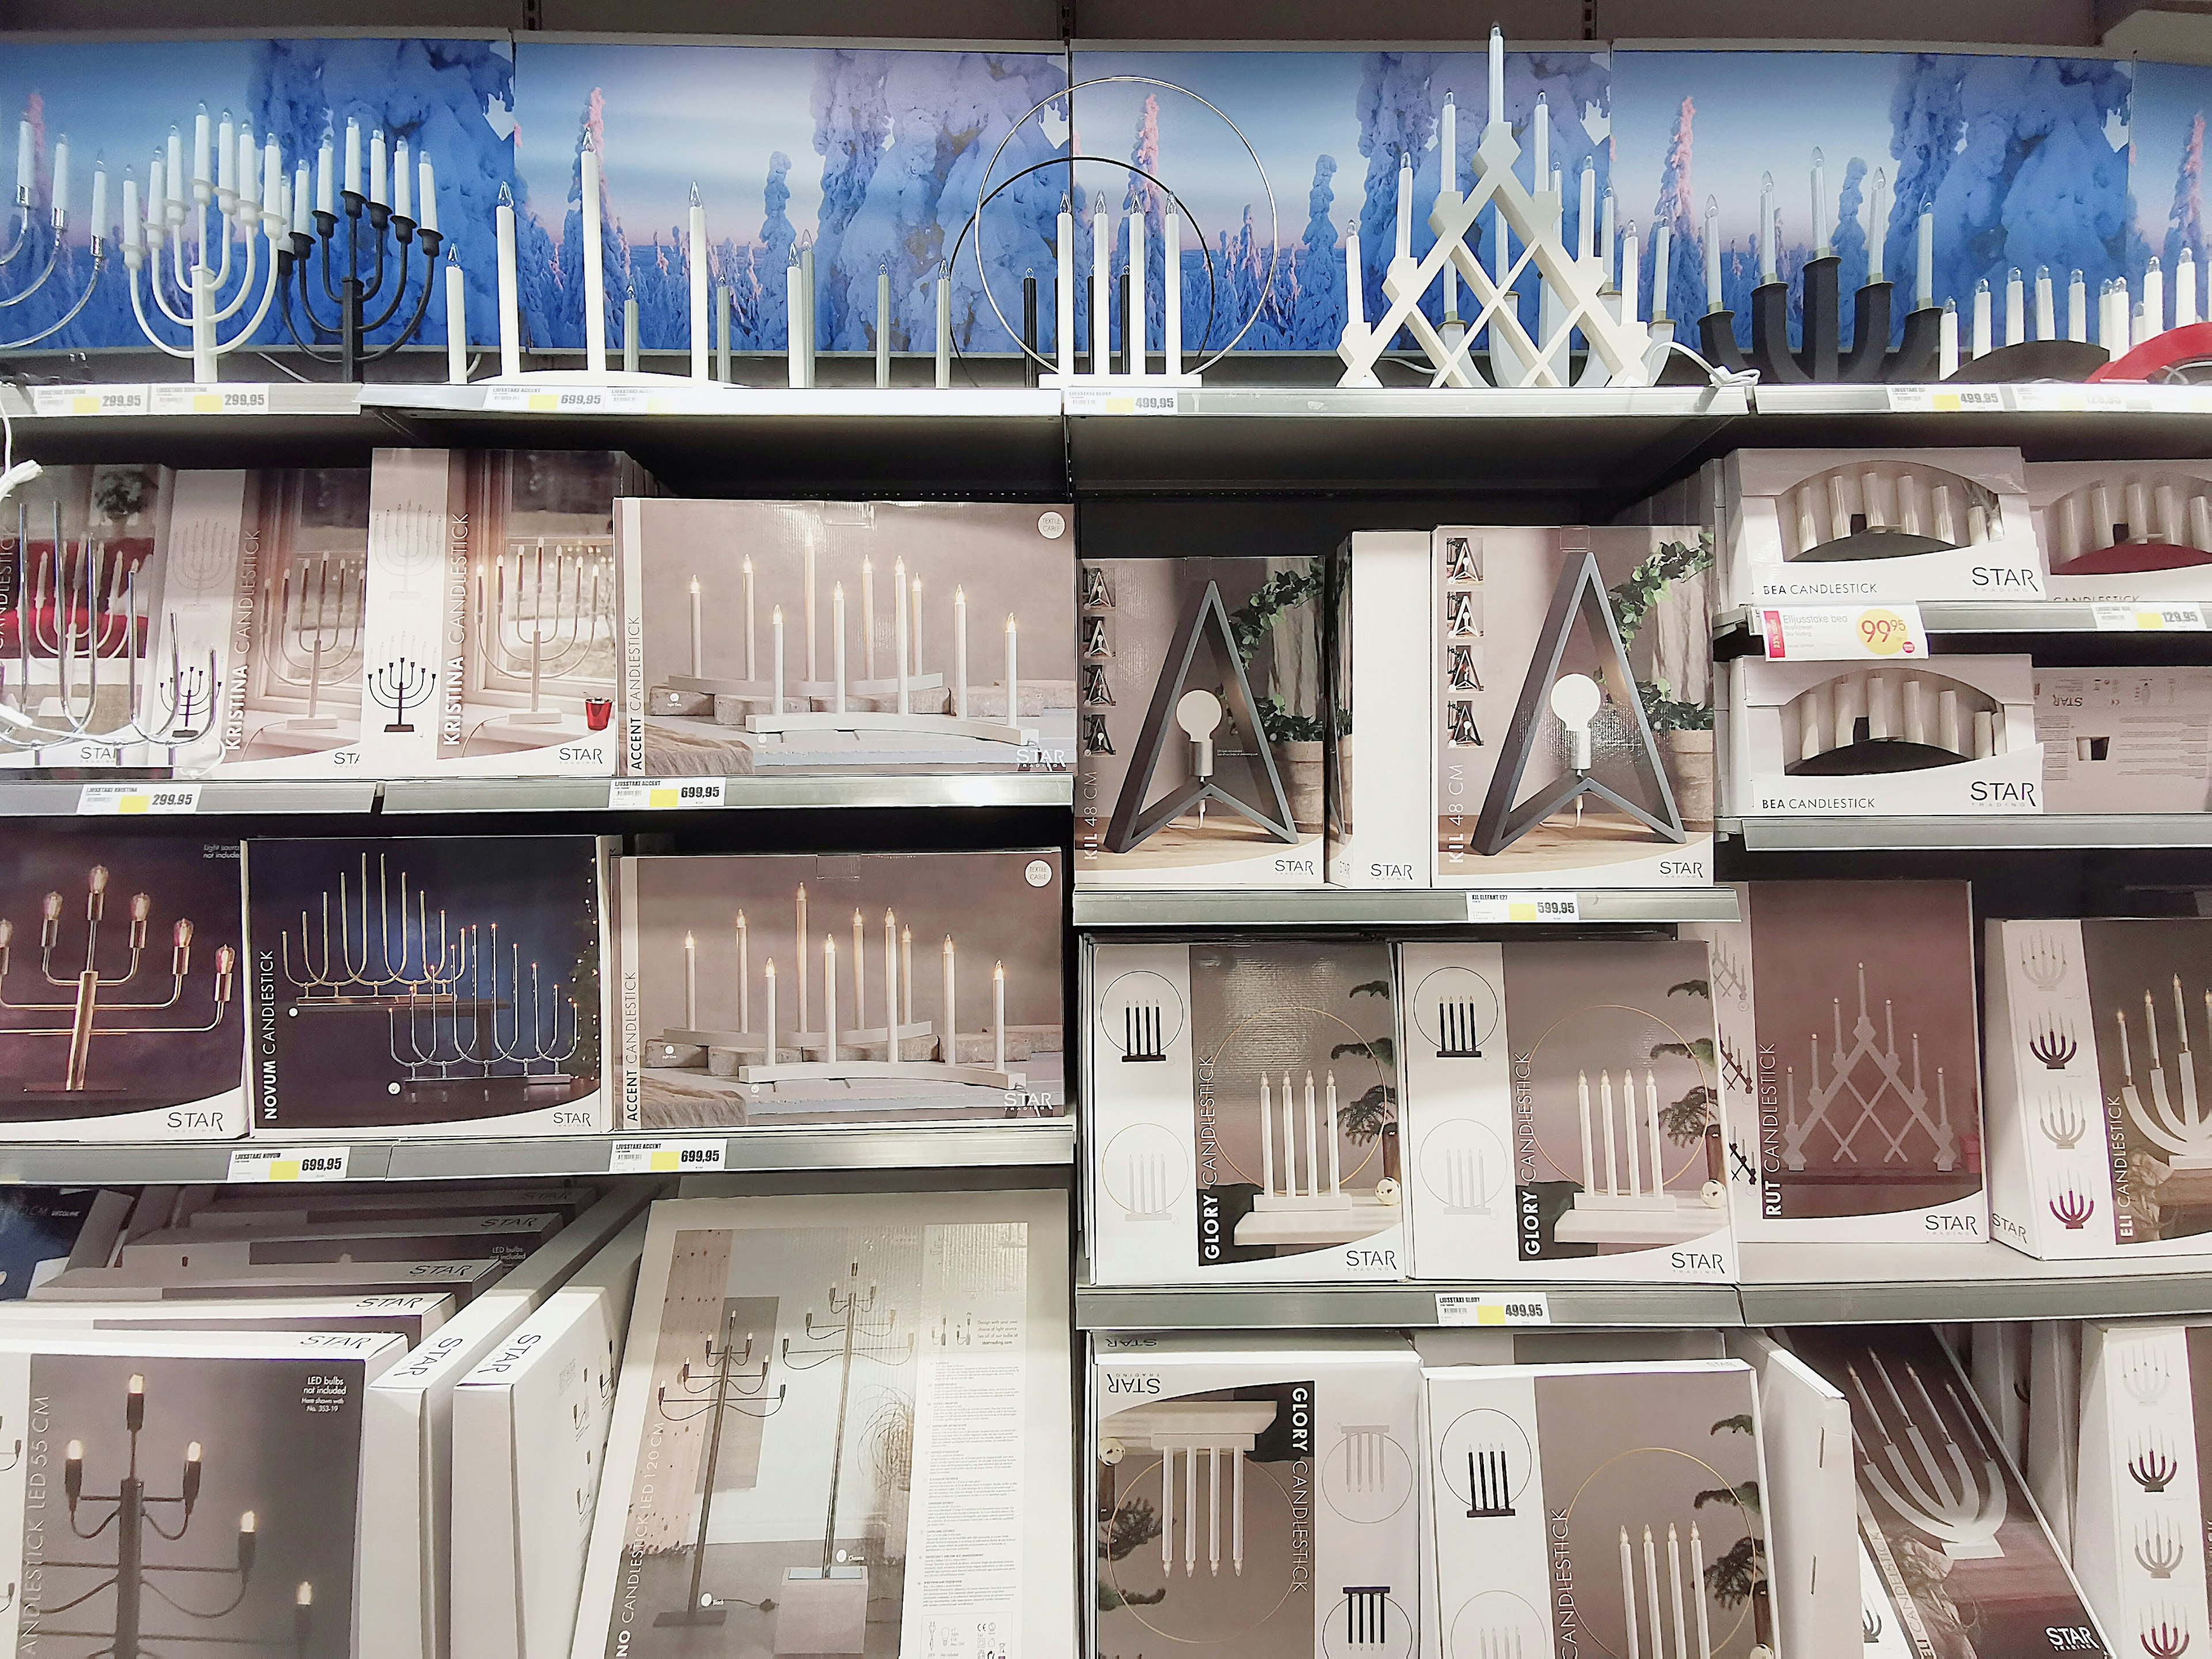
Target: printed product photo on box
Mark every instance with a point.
(428, 985)
(1562, 1112)
(2125, 739)
(198, 1491)
(1202, 713)
(1254, 1498)
(122, 1005)
(841, 1427)
(1850, 1062)
(1572, 706)
(1959, 736)
(1968, 1566)
(1614, 1507)
(819, 638)
(870, 988)
(44, 1229)
(2121, 530)
(1812, 526)
(1378, 757)
(84, 572)
(2100, 1144)
(1243, 1100)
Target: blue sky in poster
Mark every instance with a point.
(2169, 98)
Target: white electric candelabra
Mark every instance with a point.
(870, 1047)
(23, 245)
(1957, 1499)
(1138, 371)
(546, 612)
(221, 225)
(2171, 510)
(2171, 1118)
(1317, 1213)
(1646, 1632)
(1895, 507)
(1879, 706)
(1843, 1110)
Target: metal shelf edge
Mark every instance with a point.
(1389, 1306)
(2028, 832)
(1345, 907)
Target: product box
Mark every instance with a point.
(843, 1426)
(1854, 527)
(163, 1490)
(2125, 739)
(409, 1317)
(1243, 1097)
(1201, 708)
(84, 572)
(530, 1435)
(1810, 1500)
(1997, 1365)
(500, 1237)
(44, 1229)
(2123, 531)
(1604, 1508)
(1377, 781)
(122, 1005)
(429, 985)
(1824, 738)
(222, 1212)
(2097, 1142)
(1254, 1498)
(757, 988)
(819, 638)
(1966, 1561)
(1571, 707)
(1562, 1112)
(1849, 1063)
(2054, 1423)
(183, 1274)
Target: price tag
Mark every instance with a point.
(1100, 400)
(570, 399)
(1523, 907)
(1804, 632)
(289, 1164)
(1937, 400)
(209, 400)
(89, 399)
(1515, 1307)
(2149, 619)
(122, 800)
(662, 794)
(667, 1156)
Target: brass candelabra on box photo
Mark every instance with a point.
(727, 1382)
(91, 1007)
(134, 1515)
(545, 626)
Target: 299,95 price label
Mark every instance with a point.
(667, 1156)
(289, 1164)
(123, 801)
(663, 795)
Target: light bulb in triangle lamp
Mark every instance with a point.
(1199, 713)
(1576, 700)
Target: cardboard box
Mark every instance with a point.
(44, 1229)
(176, 1274)
(410, 1318)
(2139, 1525)
(122, 990)
(429, 986)
(1201, 708)
(1243, 1102)
(2125, 739)
(1562, 1112)
(1254, 1498)
(966, 597)
(2123, 531)
(1849, 1058)
(724, 959)
(1810, 1501)
(1378, 756)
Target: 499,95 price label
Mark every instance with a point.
(1490, 1308)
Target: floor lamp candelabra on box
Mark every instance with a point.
(728, 1382)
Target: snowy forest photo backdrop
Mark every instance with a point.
(877, 159)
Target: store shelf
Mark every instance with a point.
(1393, 1307)
(1346, 907)
(869, 1146)
(2046, 421)
(2118, 830)
(276, 423)
(1830, 1285)
(2070, 625)
(406, 795)
(239, 797)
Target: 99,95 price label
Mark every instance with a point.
(289, 1164)
(667, 1156)
(1804, 632)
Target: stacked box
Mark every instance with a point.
(2125, 739)
(2123, 531)
(45, 1229)
(1377, 784)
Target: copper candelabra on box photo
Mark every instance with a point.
(728, 1381)
(457, 1011)
(91, 1007)
(543, 611)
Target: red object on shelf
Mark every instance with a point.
(2172, 349)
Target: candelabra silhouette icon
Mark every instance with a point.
(1365, 1614)
(2061, 1122)
(1489, 1484)
(1958, 1499)
(399, 685)
(1738, 1073)
(2153, 1464)
(2165, 1637)
(133, 1514)
(2143, 1373)
(2158, 1550)
(90, 1008)
(728, 1383)
(2073, 1209)
(1870, 1626)
(1140, 1033)
(1459, 1028)
(2053, 1044)
(2043, 959)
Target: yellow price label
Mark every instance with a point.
(544, 403)
(1885, 633)
(133, 804)
(284, 1168)
(207, 403)
(667, 1162)
(663, 799)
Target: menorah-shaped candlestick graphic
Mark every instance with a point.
(2172, 1119)
(1489, 1484)
(548, 614)
(2153, 1466)
(2062, 1122)
(313, 644)
(2052, 1042)
(26, 237)
(352, 293)
(2159, 1549)
(1219, 1433)
(399, 685)
(1843, 1110)
(453, 1039)
(2043, 960)
(1459, 1029)
(1683, 1592)
(1462, 1175)
(1366, 1615)
(1141, 1040)
(2165, 1635)
(728, 1383)
(1623, 1200)
(1321, 1212)
(1147, 1193)
(839, 1050)
(91, 1007)
(1961, 1505)
(2143, 1373)
(2072, 1209)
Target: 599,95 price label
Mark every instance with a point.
(290, 1163)
(667, 1156)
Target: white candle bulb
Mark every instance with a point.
(1063, 341)
(1495, 111)
(1447, 147)
(1981, 319)
(134, 233)
(1133, 325)
(26, 163)
(1662, 254)
(403, 181)
(960, 653)
(775, 632)
(837, 643)
(1877, 224)
(353, 157)
(1405, 250)
(510, 338)
(376, 162)
(698, 634)
(1540, 170)
(1171, 292)
(325, 200)
(595, 280)
(302, 202)
(2077, 308)
(176, 174)
(1101, 288)
(1769, 226)
(695, 257)
(998, 1016)
(1712, 254)
(950, 1043)
(97, 226)
(226, 154)
(2016, 318)
(1631, 275)
(1925, 288)
(1946, 348)
(1013, 676)
(1820, 247)
(457, 325)
(58, 197)
(899, 625)
(1355, 307)
(200, 175)
(750, 675)
(426, 179)
(2046, 316)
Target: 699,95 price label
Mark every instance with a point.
(667, 1156)
(663, 795)
(289, 1164)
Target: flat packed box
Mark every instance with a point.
(1378, 781)
(1850, 1059)
(1199, 758)
(811, 639)
(122, 1002)
(500, 1238)
(2098, 1142)
(2125, 739)
(241, 1209)
(2123, 531)
(429, 985)
(1254, 1498)
(1243, 1099)
(1854, 527)
(1571, 708)
(1569, 1508)
(176, 1274)
(1810, 1500)
(1958, 738)
(762, 989)
(1562, 1112)
(409, 1317)
(843, 1426)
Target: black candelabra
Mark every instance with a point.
(729, 1381)
(851, 1329)
(133, 1513)
(349, 291)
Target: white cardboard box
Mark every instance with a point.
(2125, 739)
(409, 1317)
(1811, 1510)
(2118, 530)
(2139, 1522)
(1378, 748)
